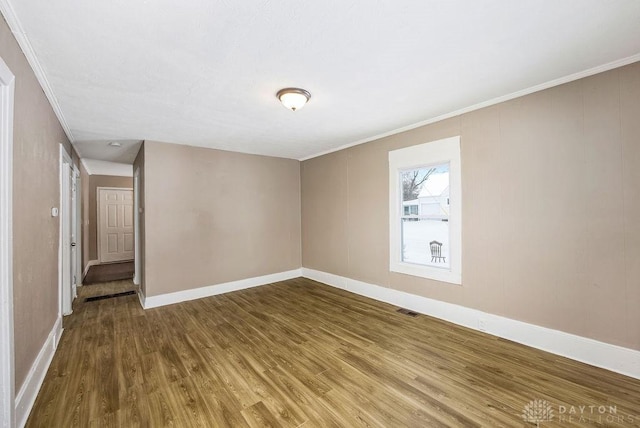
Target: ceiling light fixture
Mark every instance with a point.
(293, 98)
(115, 144)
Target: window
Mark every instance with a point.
(410, 209)
(425, 209)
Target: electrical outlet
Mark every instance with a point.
(482, 324)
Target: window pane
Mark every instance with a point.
(425, 230)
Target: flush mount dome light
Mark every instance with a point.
(293, 98)
(115, 144)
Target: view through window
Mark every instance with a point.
(425, 220)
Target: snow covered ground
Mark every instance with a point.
(416, 236)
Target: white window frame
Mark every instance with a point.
(437, 152)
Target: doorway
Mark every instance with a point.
(137, 276)
(68, 249)
(115, 224)
(7, 359)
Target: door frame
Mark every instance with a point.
(99, 217)
(136, 226)
(74, 229)
(7, 357)
(65, 276)
(78, 226)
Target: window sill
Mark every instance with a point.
(427, 272)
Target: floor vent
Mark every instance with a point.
(408, 312)
(109, 296)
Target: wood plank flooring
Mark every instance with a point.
(109, 272)
(302, 354)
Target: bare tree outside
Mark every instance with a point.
(412, 182)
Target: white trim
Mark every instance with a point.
(611, 357)
(100, 167)
(32, 384)
(21, 37)
(213, 290)
(542, 86)
(446, 150)
(7, 358)
(142, 298)
(113, 188)
(89, 264)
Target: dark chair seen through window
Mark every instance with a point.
(436, 251)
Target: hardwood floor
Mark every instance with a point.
(109, 272)
(299, 353)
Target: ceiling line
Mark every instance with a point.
(27, 49)
(546, 85)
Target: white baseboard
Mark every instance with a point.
(212, 290)
(89, 264)
(31, 386)
(611, 357)
(141, 297)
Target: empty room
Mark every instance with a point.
(329, 214)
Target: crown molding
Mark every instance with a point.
(546, 85)
(21, 37)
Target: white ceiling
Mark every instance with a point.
(205, 72)
(101, 167)
(103, 150)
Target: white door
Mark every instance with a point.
(73, 230)
(115, 225)
(66, 238)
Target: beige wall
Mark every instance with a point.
(90, 219)
(551, 205)
(213, 216)
(37, 135)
